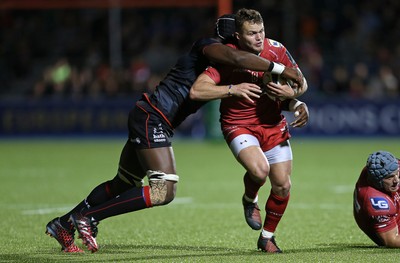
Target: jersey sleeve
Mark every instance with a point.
(200, 44)
(381, 211)
(283, 55)
(213, 73)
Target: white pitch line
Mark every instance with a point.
(182, 200)
(343, 189)
(45, 211)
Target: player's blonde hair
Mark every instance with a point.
(247, 15)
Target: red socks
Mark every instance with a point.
(275, 208)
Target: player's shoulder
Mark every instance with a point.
(274, 43)
(378, 202)
(368, 192)
(205, 41)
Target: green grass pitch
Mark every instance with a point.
(44, 178)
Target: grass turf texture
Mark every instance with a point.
(41, 179)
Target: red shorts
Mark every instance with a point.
(267, 135)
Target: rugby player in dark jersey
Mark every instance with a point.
(148, 151)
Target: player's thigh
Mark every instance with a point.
(253, 160)
(129, 162)
(157, 159)
(247, 151)
(138, 161)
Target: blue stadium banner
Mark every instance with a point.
(109, 117)
(64, 117)
(351, 117)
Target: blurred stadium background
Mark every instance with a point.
(75, 67)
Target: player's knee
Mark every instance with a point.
(282, 189)
(162, 187)
(260, 173)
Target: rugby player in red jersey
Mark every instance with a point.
(376, 202)
(148, 150)
(255, 129)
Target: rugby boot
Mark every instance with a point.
(65, 237)
(87, 229)
(268, 245)
(252, 214)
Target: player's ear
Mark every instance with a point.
(237, 35)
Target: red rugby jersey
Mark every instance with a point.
(375, 211)
(238, 111)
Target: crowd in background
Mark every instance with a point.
(345, 48)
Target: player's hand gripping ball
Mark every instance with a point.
(278, 79)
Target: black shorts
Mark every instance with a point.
(147, 127)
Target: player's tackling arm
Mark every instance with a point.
(301, 89)
(205, 88)
(223, 54)
(390, 238)
(297, 77)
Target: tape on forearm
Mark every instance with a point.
(277, 68)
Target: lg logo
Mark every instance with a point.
(379, 203)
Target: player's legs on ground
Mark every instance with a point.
(160, 166)
(98, 195)
(63, 230)
(280, 159)
(256, 164)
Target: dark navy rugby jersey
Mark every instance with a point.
(171, 96)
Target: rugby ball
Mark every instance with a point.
(275, 78)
